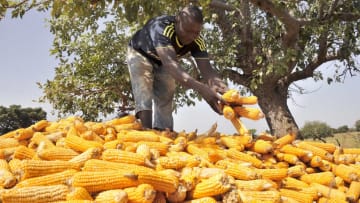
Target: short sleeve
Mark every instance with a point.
(199, 48)
(161, 36)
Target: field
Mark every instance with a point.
(349, 139)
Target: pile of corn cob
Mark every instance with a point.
(71, 160)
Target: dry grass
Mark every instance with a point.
(349, 139)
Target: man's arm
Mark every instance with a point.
(211, 76)
(170, 63)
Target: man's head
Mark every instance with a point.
(189, 22)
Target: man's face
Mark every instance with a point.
(187, 29)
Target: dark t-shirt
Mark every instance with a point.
(160, 32)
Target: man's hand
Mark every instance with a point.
(213, 99)
(217, 85)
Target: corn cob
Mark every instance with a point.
(241, 172)
(56, 153)
(161, 147)
(329, 192)
(91, 136)
(248, 112)
(316, 161)
(233, 96)
(290, 149)
(102, 165)
(55, 136)
(160, 181)
(202, 200)
(40, 125)
(8, 142)
(136, 136)
(79, 144)
(262, 147)
(39, 138)
(346, 172)
(96, 181)
(127, 126)
(23, 133)
(112, 196)
(7, 179)
(52, 179)
(38, 194)
(293, 183)
(352, 195)
(76, 201)
(228, 112)
(23, 152)
(90, 153)
(315, 150)
(329, 147)
(296, 195)
(159, 197)
(312, 191)
(284, 140)
(296, 171)
(215, 185)
(273, 174)
(144, 193)
(260, 196)
(235, 154)
(230, 142)
(78, 193)
(327, 200)
(239, 126)
(7, 153)
(178, 196)
(128, 119)
(324, 178)
(34, 168)
(121, 156)
(351, 151)
(255, 185)
(289, 158)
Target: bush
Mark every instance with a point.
(316, 130)
(343, 129)
(357, 125)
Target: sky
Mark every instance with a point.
(25, 60)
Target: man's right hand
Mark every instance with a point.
(212, 98)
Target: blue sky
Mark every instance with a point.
(25, 60)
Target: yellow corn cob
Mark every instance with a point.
(96, 181)
(293, 183)
(102, 165)
(233, 96)
(79, 144)
(316, 161)
(38, 194)
(351, 151)
(136, 136)
(273, 174)
(312, 191)
(7, 179)
(296, 195)
(352, 195)
(52, 179)
(260, 196)
(324, 178)
(121, 156)
(327, 200)
(262, 147)
(296, 171)
(248, 112)
(23, 133)
(290, 149)
(347, 159)
(8, 142)
(346, 172)
(195, 149)
(40, 125)
(113, 144)
(239, 126)
(34, 168)
(178, 196)
(112, 196)
(23, 152)
(326, 165)
(215, 185)
(174, 162)
(255, 185)
(315, 150)
(161, 147)
(127, 126)
(228, 112)
(202, 200)
(92, 136)
(329, 192)
(78, 193)
(76, 201)
(143, 150)
(97, 128)
(241, 172)
(246, 140)
(91, 153)
(329, 147)
(123, 120)
(189, 178)
(38, 138)
(7, 153)
(57, 153)
(231, 142)
(160, 181)
(289, 158)
(235, 154)
(284, 140)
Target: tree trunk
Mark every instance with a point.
(273, 103)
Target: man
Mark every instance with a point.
(154, 67)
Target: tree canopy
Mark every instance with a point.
(262, 46)
(15, 117)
